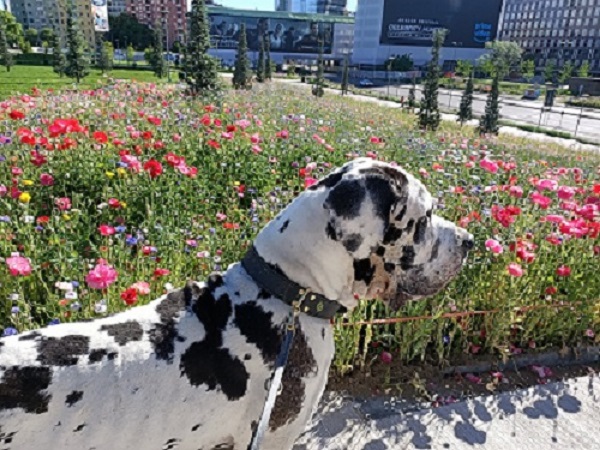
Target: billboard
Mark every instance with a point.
(471, 23)
(100, 15)
(285, 35)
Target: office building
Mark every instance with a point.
(554, 30)
(388, 28)
(116, 7)
(334, 7)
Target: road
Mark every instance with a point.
(581, 123)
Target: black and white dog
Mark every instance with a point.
(191, 370)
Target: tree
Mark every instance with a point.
(566, 73)
(6, 58)
(107, 54)
(489, 122)
(345, 76)
(126, 30)
(45, 46)
(464, 68)
(584, 69)
(291, 70)
(242, 74)
(47, 34)
(59, 61)
(260, 65)
(402, 63)
(268, 63)
(13, 30)
(412, 92)
(466, 103)
(157, 60)
(502, 56)
(318, 89)
(129, 54)
(549, 70)
(31, 36)
(77, 61)
(528, 69)
(200, 69)
(429, 114)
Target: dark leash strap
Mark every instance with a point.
(277, 377)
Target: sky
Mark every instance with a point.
(265, 5)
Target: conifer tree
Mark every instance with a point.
(412, 93)
(201, 69)
(157, 60)
(242, 74)
(260, 66)
(429, 114)
(268, 67)
(489, 121)
(77, 62)
(318, 89)
(6, 58)
(466, 103)
(59, 60)
(345, 76)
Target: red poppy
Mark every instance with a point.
(16, 115)
(161, 272)
(146, 135)
(43, 220)
(130, 296)
(563, 271)
(100, 137)
(153, 167)
(155, 120)
(231, 128)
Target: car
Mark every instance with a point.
(365, 83)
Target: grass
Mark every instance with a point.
(226, 170)
(21, 79)
(593, 102)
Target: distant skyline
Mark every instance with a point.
(263, 5)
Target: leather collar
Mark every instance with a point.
(275, 282)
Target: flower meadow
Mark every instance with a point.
(110, 197)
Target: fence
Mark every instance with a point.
(559, 120)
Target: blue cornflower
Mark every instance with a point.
(9, 331)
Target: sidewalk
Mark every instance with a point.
(563, 415)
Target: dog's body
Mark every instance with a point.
(191, 370)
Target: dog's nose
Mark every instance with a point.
(468, 244)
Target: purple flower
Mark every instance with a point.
(54, 322)
(120, 229)
(9, 331)
(14, 310)
(131, 241)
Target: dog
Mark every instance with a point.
(192, 369)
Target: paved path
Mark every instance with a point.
(561, 416)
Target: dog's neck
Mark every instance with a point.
(296, 242)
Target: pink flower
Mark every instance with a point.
(546, 185)
(46, 179)
(17, 265)
(3, 190)
(541, 200)
(63, 203)
(590, 333)
(515, 270)
(221, 217)
(106, 230)
(308, 182)
(563, 271)
(488, 165)
(101, 276)
(566, 192)
(555, 218)
(516, 191)
(386, 357)
(494, 246)
(141, 287)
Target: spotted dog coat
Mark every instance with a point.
(191, 369)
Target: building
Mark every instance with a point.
(116, 7)
(41, 14)
(388, 28)
(293, 36)
(171, 14)
(5, 5)
(336, 7)
(554, 30)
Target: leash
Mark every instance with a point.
(280, 364)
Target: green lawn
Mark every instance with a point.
(21, 79)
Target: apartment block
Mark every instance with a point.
(171, 14)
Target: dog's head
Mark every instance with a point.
(366, 231)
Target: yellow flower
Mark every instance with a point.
(236, 183)
(66, 217)
(25, 197)
(110, 175)
(27, 182)
(123, 204)
(122, 172)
